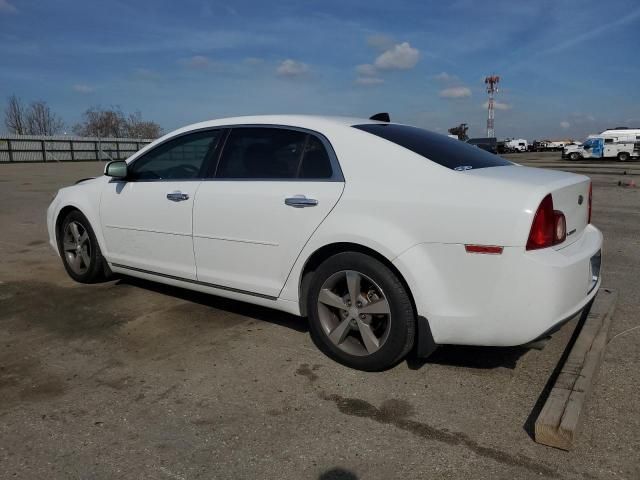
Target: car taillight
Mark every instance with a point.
(549, 226)
(590, 200)
(560, 227)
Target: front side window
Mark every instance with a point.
(440, 149)
(178, 159)
(273, 153)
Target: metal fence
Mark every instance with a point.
(31, 148)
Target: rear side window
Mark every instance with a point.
(440, 149)
(273, 153)
(315, 162)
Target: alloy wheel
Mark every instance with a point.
(354, 313)
(77, 247)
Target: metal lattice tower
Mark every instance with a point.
(492, 88)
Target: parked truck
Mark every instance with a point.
(620, 143)
(516, 145)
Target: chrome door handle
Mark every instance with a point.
(177, 196)
(300, 201)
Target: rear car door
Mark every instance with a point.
(147, 217)
(271, 188)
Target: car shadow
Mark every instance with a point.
(233, 306)
(484, 358)
(338, 473)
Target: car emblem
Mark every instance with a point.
(580, 199)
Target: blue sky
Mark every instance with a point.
(568, 68)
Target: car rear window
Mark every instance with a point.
(440, 149)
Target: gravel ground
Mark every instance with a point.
(130, 379)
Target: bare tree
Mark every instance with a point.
(41, 120)
(136, 127)
(111, 122)
(101, 122)
(15, 116)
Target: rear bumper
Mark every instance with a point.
(502, 300)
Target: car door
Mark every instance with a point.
(272, 187)
(147, 217)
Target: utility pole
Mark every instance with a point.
(492, 88)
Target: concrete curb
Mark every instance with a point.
(558, 422)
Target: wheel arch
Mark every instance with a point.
(66, 210)
(321, 254)
(62, 214)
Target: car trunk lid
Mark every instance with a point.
(570, 192)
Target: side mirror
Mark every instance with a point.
(116, 169)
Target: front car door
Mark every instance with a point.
(272, 187)
(147, 218)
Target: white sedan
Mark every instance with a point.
(386, 236)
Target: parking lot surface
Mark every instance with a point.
(130, 379)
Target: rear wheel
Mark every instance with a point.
(79, 249)
(623, 156)
(360, 314)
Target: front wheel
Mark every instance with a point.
(623, 156)
(574, 156)
(79, 249)
(360, 313)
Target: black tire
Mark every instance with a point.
(623, 156)
(574, 156)
(401, 324)
(97, 269)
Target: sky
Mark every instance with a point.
(567, 68)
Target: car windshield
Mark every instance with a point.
(440, 149)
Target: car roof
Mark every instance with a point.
(311, 122)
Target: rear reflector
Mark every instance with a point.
(489, 249)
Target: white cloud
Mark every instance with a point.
(292, 68)
(369, 80)
(565, 124)
(366, 70)
(596, 31)
(197, 61)
(253, 61)
(146, 75)
(445, 77)
(498, 105)
(400, 57)
(82, 88)
(6, 7)
(368, 75)
(380, 41)
(455, 92)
